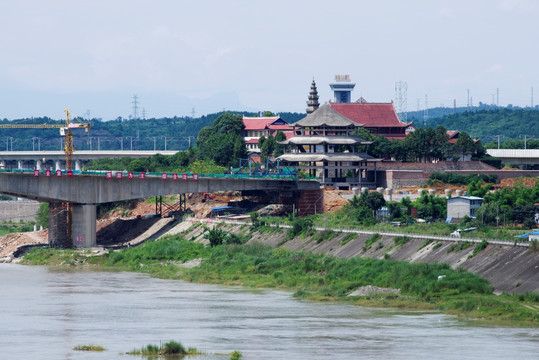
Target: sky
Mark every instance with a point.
(207, 56)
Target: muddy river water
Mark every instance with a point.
(45, 312)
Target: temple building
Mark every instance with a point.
(326, 146)
(255, 127)
(378, 118)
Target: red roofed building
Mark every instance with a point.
(255, 127)
(378, 118)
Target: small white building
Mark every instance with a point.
(460, 206)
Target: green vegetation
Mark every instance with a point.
(458, 246)
(171, 348)
(479, 247)
(236, 355)
(374, 238)
(401, 240)
(10, 227)
(347, 238)
(312, 276)
(89, 348)
(425, 243)
(321, 236)
(485, 123)
(300, 226)
(425, 145)
(459, 179)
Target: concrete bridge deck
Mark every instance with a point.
(85, 190)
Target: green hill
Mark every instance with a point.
(488, 124)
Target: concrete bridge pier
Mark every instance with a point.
(84, 225)
(57, 165)
(39, 165)
(78, 165)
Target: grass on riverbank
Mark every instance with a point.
(312, 276)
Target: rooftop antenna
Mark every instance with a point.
(401, 97)
(135, 106)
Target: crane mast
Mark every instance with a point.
(66, 131)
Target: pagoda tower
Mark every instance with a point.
(312, 104)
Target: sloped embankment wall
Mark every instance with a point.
(510, 269)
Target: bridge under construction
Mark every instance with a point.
(84, 190)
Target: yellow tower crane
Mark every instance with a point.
(65, 130)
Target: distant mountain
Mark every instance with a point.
(488, 124)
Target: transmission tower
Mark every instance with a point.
(135, 106)
(193, 113)
(401, 97)
(143, 113)
(426, 112)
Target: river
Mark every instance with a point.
(45, 312)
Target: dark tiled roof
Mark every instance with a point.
(326, 116)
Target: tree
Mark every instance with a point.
(42, 217)
(223, 142)
(464, 145)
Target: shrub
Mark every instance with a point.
(479, 247)
(236, 355)
(216, 236)
(401, 240)
(324, 235)
(374, 238)
(300, 226)
(347, 239)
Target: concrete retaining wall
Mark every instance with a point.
(18, 210)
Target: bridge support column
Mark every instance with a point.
(19, 164)
(58, 225)
(2, 164)
(57, 165)
(84, 225)
(39, 165)
(78, 165)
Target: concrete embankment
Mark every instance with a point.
(511, 269)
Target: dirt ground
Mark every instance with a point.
(11, 242)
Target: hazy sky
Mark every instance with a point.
(259, 55)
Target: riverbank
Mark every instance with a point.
(311, 276)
